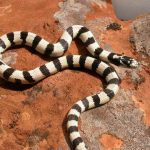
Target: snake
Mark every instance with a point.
(98, 63)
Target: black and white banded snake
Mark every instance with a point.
(96, 64)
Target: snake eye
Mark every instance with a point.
(125, 61)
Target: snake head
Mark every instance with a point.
(128, 62)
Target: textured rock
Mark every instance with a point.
(34, 117)
(117, 118)
(9, 58)
(74, 11)
(5, 9)
(141, 34)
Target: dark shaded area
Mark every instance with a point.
(114, 26)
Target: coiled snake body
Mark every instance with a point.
(96, 64)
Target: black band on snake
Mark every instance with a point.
(96, 64)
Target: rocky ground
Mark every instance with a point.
(34, 117)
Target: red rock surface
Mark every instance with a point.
(34, 117)
(114, 142)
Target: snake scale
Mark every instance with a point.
(99, 64)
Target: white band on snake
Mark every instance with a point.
(96, 64)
